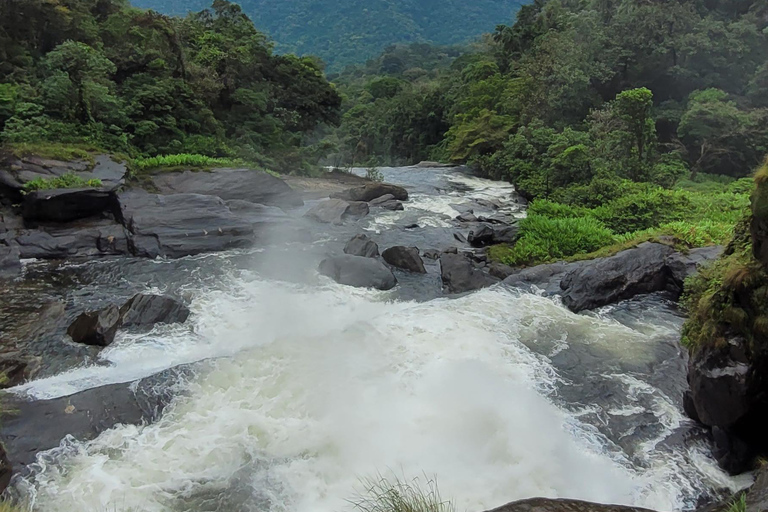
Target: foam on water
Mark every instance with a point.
(315, 388)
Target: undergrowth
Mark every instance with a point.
(68, 180)
(188, 160)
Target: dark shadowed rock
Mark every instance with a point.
(481, 237)
(144, 311)
(17, 369)
(372, 191)
(563, 505)
(460, 276)
(359, 272)
(406, 258)
(505, 234)
(467, 217)
(388, 202)
(181, 225)
(10, 266)
(757, 499)
(79, 239)
(682, 266)
(64, 205)
(244, 184)
(97, 328)
(336, 211)
(609, 280)
(362, 245)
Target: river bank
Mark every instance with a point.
(265, 330)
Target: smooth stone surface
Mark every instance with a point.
(405, 258)
(362, 245)
(181, 225)
(358, 271)
(242, 184)
(81, 239)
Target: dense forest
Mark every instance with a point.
(102, 73)
(343, 32)
(614, 116)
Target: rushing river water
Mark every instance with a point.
(301, 387)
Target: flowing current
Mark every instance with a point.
(296, 388)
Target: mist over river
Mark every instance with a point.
(297, 387)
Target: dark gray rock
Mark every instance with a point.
(609, 280)
(505, 234)
(431, 254)
(145, 311)
(466, 217)
(372, 191)
(405, 258)
(682, 266)
(359, 272)
(563, 505)
(336, 211)
(501, 271)
(17, 368)
(65, 205)
(180, 225)
(460, 238)
(387, 202)
(10, 266)
(244, 184)
(96, 328)
(460, 276)
(106, 168)
(544, 277)
(257, 214)
(362, 245)
(75, 240)
(481, 237)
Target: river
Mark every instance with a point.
(300, 387)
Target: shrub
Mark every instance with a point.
(553, 210)
(383, 494)
(373, 174)
(543, 239)
(644, 210)
(68, 180)
(183, 160)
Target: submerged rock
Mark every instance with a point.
(251, 185)
(406, 258)
(358, 271)
(181, 225)
(563, 505)
(97, 328)
(372, 191)
(362, 245)
(145, 311)
(460, 276)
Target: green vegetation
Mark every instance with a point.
(184, 160)
(100, 74)
(384, 494)
(68, 180)
(739, 503)
(344, 32)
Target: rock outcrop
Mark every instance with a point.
(362, 245)
(358, 271)
(250, 185)
(371, 192)
(459, 275)
(405, 258)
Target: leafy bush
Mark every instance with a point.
(543, 239)
(553, 210)
(183, 160)
(68, 180)
(643, 210)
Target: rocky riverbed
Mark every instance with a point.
(209, 297)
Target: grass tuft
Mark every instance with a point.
(738, 504)
(393, 494)
(68, 180)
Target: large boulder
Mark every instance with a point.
(459, 275)
(406, 258)
(362, 245)
(181, 224)
(563, 505)
(609, 280)
(359, 272)
(244, 184)
(681, 266)
(486, 235)
(336, 211)
(64, 205)
(74, 240)
(97, 328)
(145, 311)
(10, 266)
(372, 191)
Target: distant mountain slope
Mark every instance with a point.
(349, 31)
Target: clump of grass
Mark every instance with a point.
(393, 494)
(187, 160)
(738, 504)
(68, 180)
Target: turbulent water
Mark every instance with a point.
(302, 387)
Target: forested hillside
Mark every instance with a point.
(134, 81)
(349, 31)
(604, 112)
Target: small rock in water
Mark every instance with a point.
(362, 245)
(97, 328)
(459, 237)
(358, 272)
(372, 191)
(412, 226)
(388, 202)
(17, 369)
(336, 211)
(501, 271)
(459, 275)
(466, 217)
(406, 258)
(481, 237)
(145, 311)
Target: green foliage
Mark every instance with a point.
(382, 494)
(373, 174)
(544, 239)
(68, 180)
(636, 212)
(184, 160)
(738, 504)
